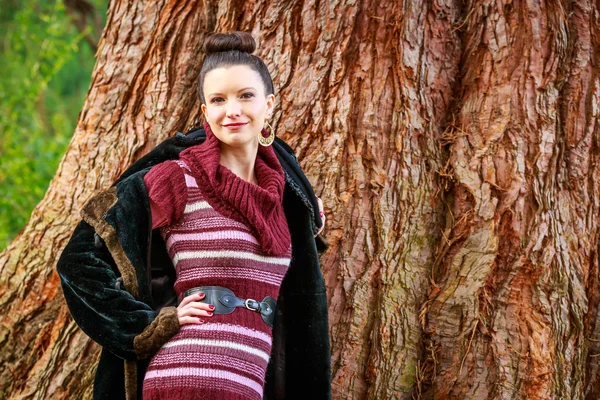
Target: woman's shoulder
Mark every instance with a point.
(169, 149)
(167, 191)
(165, 173)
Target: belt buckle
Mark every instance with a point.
(247, 304)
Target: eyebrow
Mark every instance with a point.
(241, 90)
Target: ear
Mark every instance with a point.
(203, 108)
(270, 105)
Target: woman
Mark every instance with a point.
(225, 225)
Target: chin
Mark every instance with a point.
(240, 141)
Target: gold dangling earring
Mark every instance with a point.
(267, 141)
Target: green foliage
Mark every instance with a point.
(45, 69)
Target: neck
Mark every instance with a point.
(240, 161)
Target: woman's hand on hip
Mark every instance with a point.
(191, 309)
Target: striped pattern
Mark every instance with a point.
(199, 205)
(217, 375)
(228, 254)
(226, 357)
(238, 348)
(208, 235)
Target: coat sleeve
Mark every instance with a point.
(103, 309)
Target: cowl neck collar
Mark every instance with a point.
(259, 206)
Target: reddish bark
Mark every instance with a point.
(455, 146)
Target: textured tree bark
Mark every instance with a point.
(514, 312)
(455, 145)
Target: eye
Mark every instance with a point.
(216, 100)
(247, 95)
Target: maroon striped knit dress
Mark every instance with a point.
(219, 231)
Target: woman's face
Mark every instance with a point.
(236, 105)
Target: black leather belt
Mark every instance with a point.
(225, 302)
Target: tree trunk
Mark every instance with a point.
(514, 310)
(455, 145)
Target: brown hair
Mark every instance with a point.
(228, 49)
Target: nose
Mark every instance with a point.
(234, 109)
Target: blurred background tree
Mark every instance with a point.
(46, 59)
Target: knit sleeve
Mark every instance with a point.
(167, 192)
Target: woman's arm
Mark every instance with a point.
(103, 309)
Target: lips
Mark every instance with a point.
(235, 125)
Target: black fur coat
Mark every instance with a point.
(118, 280)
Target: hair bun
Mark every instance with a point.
(220, 42)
